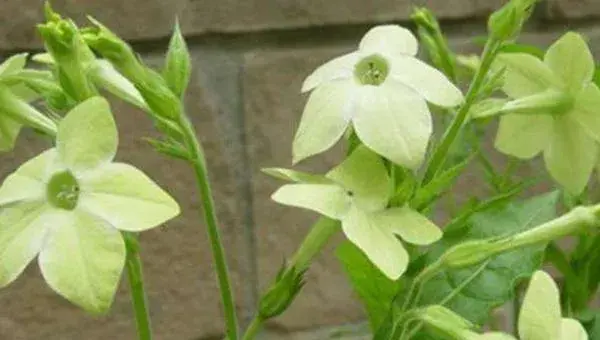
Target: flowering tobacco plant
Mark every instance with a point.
(79, 212)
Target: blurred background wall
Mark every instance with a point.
(250, 58)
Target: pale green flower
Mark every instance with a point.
(68, 205)
(540, 317)
(357, 193)
(14, 110)
(381, 90)
(556, 110)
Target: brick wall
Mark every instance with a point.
(250, 58)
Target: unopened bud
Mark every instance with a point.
(280, 296)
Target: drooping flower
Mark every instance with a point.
(68, 205)
(556, 110)
(14, 109)
(381, 90)
(357, 193)
(540, 317)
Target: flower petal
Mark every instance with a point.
(380, 246)
(571, 155)
(365, 175)
(336, 69)
(9, 130)
(28, 182)
(540, 314)
(524, 136)
(426, 80)
(87, 136)
(23, 229)
(586, 110)
(494, 336)
(329, 200)
(393, 121)
(571, 329)
(570, 58)
(126, 198)
(526, 75)
(410, 225)
(82, 260)
(325, 119)
(393, 40)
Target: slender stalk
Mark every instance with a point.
(253, 328)
(316, 239)
(441, 152)
(199, 164)
(136, 284)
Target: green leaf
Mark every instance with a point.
(9, 131)
(83, 259)
(87, 136)
(178, 65)
(20, 111)
(126, 198)
(374, 289)
(13, 64)
(495, 285)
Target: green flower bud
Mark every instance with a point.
(445, 322)
(507, 22)
(280, 296)
(20, 111)
(70, 53)
(161, 100)
(178, 64)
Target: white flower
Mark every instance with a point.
(69, 204)
(382, 90)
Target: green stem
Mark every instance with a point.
(312, 245)
(441, 152)
(253, 329)
(199, 164)
(136, 284)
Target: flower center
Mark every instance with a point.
(372, 70)
(63, 191)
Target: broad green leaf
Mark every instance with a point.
(330, 200)
(524, 136)
(126, 198)
(375, 290)
(13, 64)
(296, 176)
(87, 136)
(365, 177)
(495, 284)
(82, 260)
(540, 316)
(526, 75)
(23, 230)
(28, 182)
(377, 242)
(571, 59)
(393, 121)
(178, 66)
(106, 76)
(571, 155)
(324, 119)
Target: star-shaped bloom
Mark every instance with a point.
(561, 110)
(381, 90)
(69, 204)
(540, 317)
(357, 193)
(14, 110)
